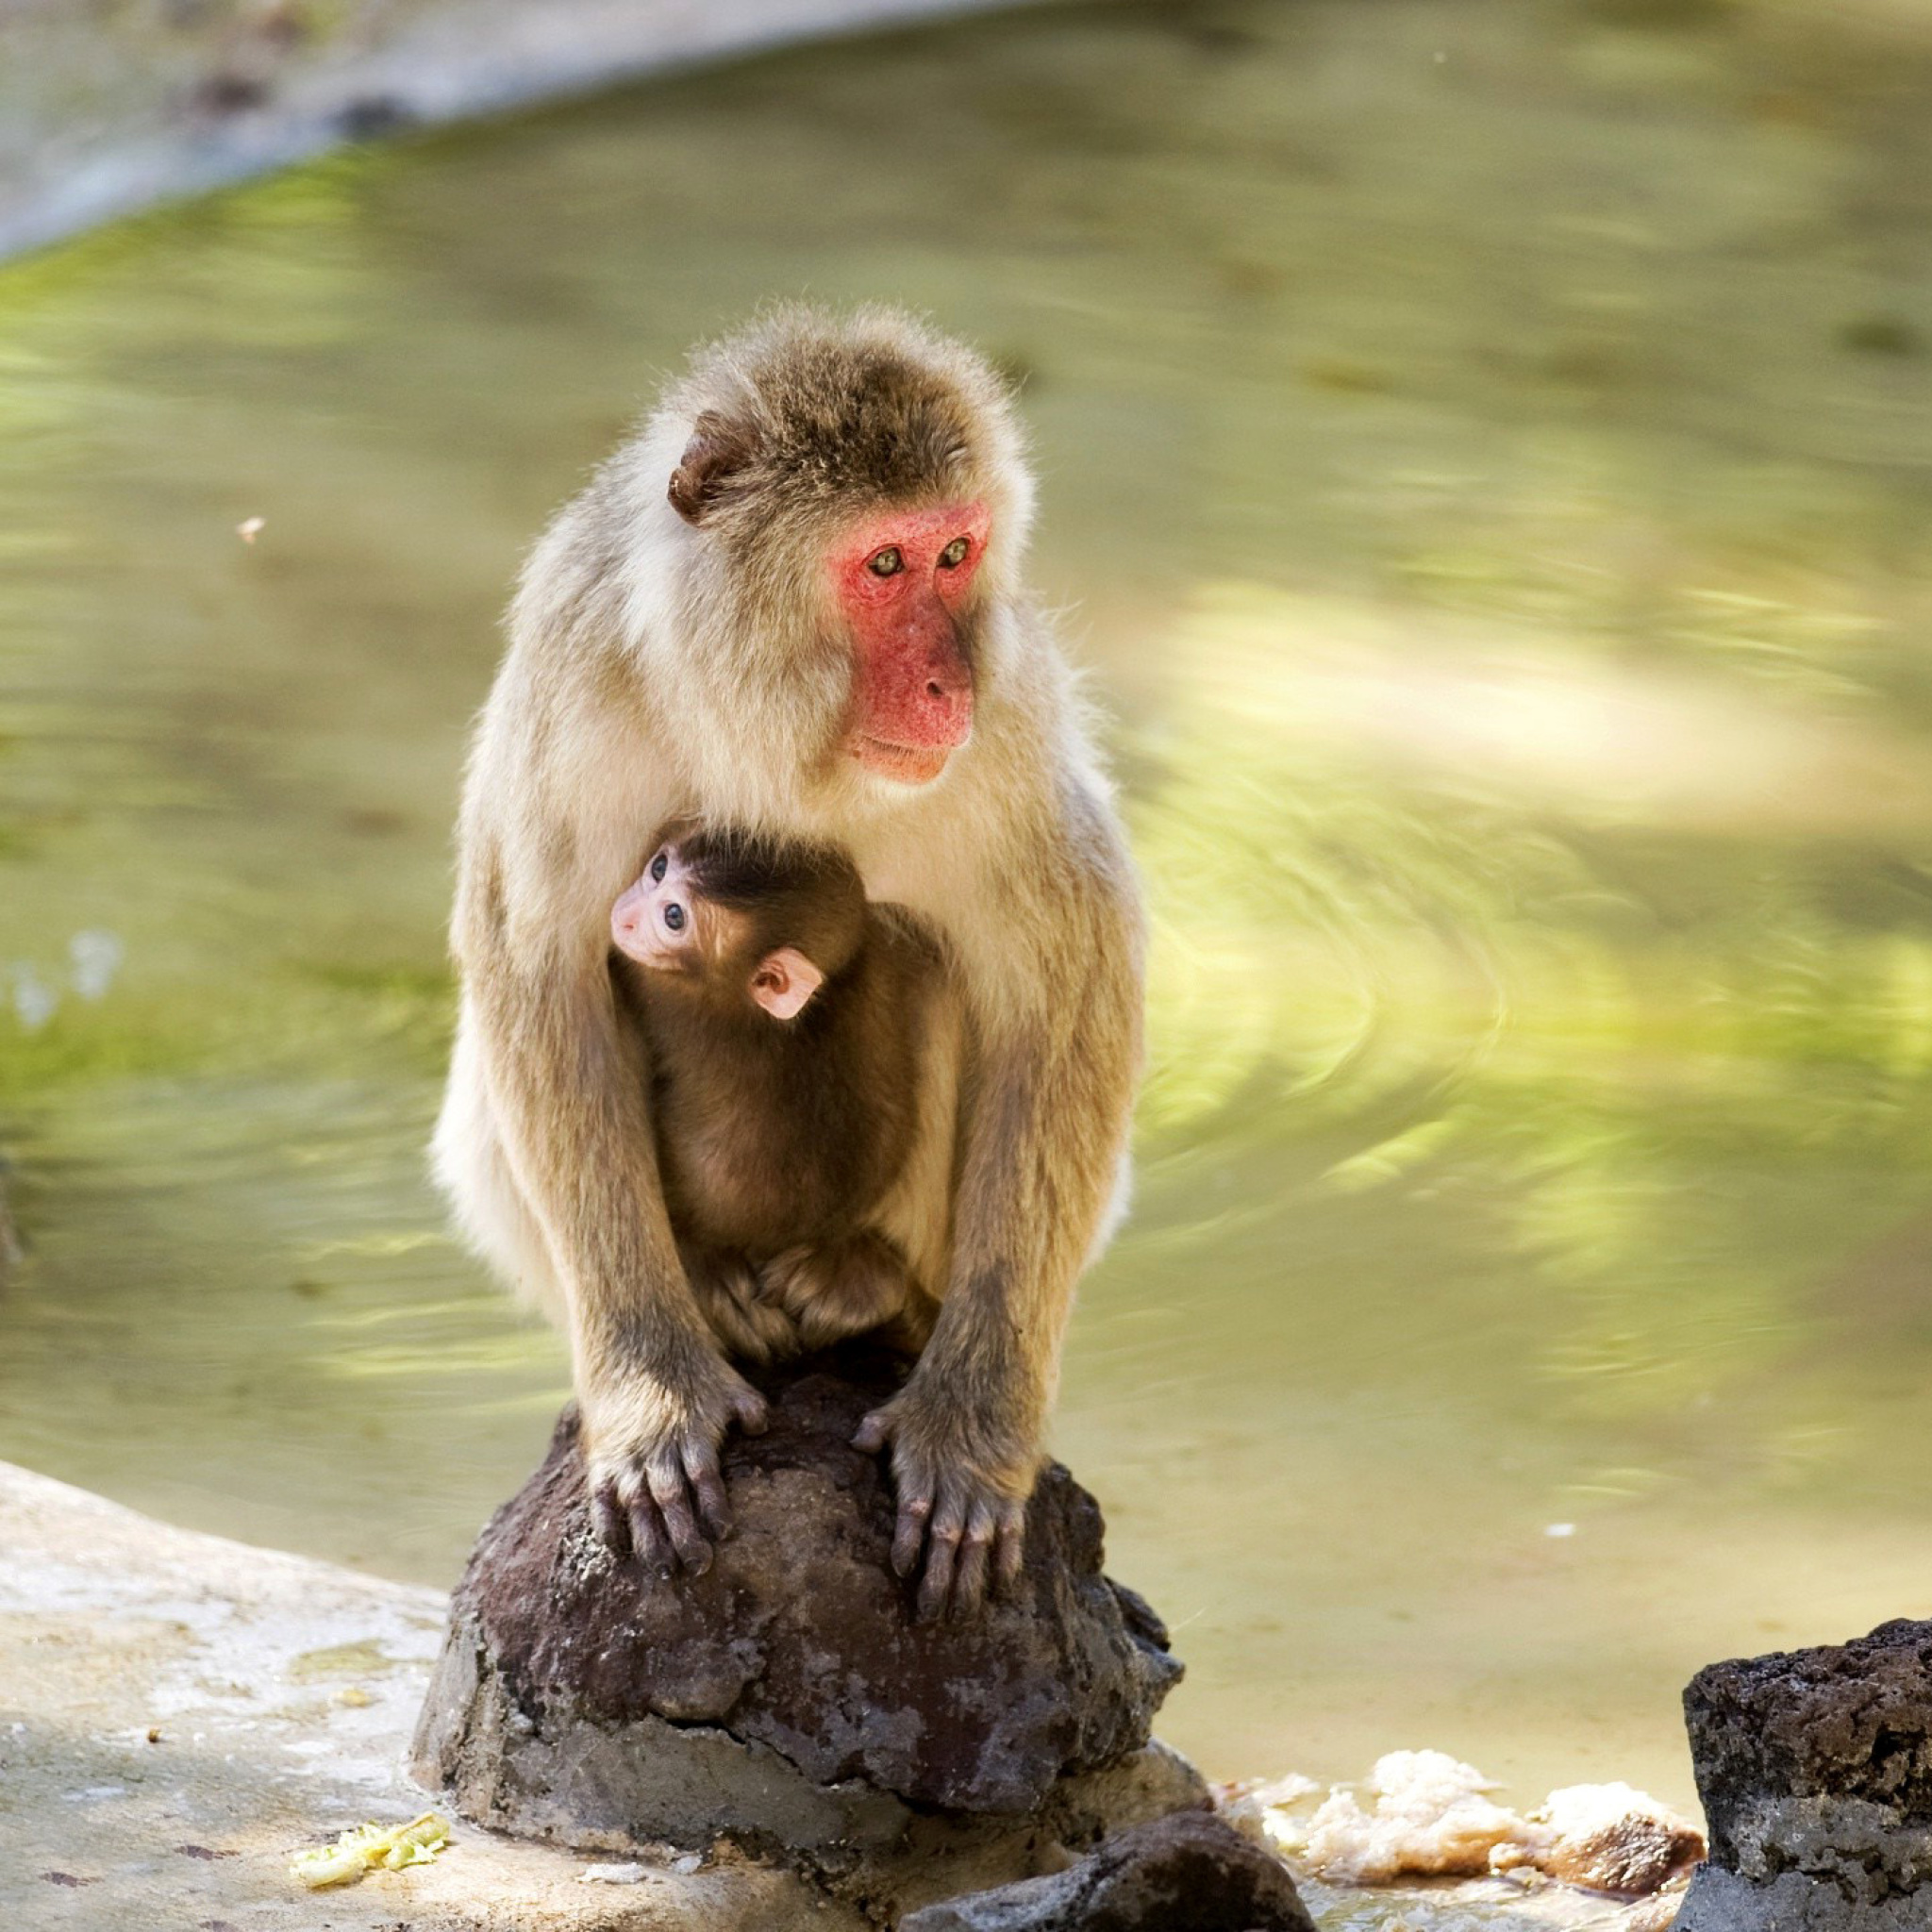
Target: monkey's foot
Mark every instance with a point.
(752, 1323)
(839, 1289)
(654, 1473)
(963, 1512)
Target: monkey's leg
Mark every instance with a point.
(837, 1289)
(1043, 1140)
(467, 1160)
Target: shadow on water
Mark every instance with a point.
(1487, 457)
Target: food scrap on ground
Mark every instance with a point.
(631, 1874)
(370, 1846)
(1433, 1818)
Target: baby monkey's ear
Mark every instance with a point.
(784, 981)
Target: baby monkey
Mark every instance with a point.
(788, 1022)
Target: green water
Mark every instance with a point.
(1487, 457)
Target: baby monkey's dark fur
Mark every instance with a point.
(781, 1141)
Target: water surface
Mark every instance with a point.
(1486, 453)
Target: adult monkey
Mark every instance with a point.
(792, 603)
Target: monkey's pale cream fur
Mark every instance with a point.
(659, 667)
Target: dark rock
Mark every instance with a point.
(1191, 1873)
(1815, 1768)
(786, 1698)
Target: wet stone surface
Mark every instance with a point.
(786, 1698)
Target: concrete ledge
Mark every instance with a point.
(178, 1714)
(105, 109)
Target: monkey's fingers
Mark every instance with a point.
(608, 1519)
(942, 1558)
(918, 1493)
(976, 1551)
(1010, 1548)
(750, 1411)
(644, 1527)
(707, 1479)
(909, 1533)
(671, 1492)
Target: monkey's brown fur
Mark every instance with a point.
(781, 1141)
(660, 667)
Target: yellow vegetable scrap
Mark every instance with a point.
(370, 1846)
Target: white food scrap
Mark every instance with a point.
(249, 528)
(1433, 1818)
(392, 1846)
(628, 1873)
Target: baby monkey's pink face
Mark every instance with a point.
(666, 923)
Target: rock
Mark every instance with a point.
(786, 1700)
(1607, 1838)
(1190, 1873)
(1815, 1768)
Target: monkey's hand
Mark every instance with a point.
(962, 1498)
(653, 1454)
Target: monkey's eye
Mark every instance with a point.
(886, 562)
(673, 917)
(657, 867)
(953, 555)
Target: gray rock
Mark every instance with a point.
(1720, 1901)
(1815, 1768)
(1191, 1873)
(786, 1699)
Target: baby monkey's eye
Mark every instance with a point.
(953, 555)
(885, 563)
(659, 866)
(673, 917)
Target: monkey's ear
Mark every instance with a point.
(784, 981)
(718, 449)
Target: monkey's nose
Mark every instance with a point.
(630, 927)
(947, 699)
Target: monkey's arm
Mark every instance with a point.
(566, 1099)
(1045, 1128)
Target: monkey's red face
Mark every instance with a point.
(901, 582)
